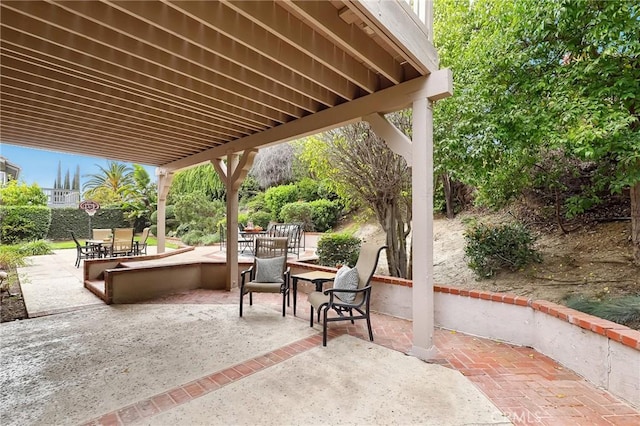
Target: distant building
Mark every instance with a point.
(8, 171)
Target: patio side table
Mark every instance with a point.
(318, 278)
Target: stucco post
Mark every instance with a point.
(232, 222)
(164, 183)
(233, 173)
(422, 204)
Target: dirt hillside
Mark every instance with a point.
(594, 261)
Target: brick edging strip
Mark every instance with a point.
(187, 392)
(609, 329)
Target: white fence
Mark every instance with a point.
(62, 197)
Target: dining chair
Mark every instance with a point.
(83, 252)
(269, 272)
(101, 234)
(141, 244)
(122, 243)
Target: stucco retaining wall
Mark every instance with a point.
(603, 352)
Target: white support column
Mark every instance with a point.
(164, 183)
(422, 198)
(232, 174)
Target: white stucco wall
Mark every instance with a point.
(485, 318)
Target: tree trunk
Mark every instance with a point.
(394, 226)
(635, 221)
(448, 194)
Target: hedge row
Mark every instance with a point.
(23, 223)
(76, 220)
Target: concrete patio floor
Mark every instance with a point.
(189, 359)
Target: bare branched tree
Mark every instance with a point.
(380, 179)
(274, 165)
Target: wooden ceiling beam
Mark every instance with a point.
(277, 83)
(433, 87)
(83, 138)
(107, 99)
(349, 37)
(192, 59)
(61, 144)
(66, 120)
(27, 45)
(138, 102)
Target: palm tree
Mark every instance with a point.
(110, 185)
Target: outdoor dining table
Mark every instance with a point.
(97, 246)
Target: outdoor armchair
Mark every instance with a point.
(269, 272)
(350, 296)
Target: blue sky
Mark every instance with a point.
(41, 167)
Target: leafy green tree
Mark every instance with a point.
(195, 211)
(141, 197)
(200, 178)
(534, 78)
(110, 185)
(16, 193)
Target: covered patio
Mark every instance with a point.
(188, 358)
(176, 84)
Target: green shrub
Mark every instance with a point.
(490, 248)
(23, 223)
(35, 248)
(10, 257)
(210, 239)
(622, 310)
(298, 212)
(260, 218)
(243, 218)
(257, 203)
(309, 189)
(196, 210)
(192, 238)
(170, 221)
(276, 197)
(198, 238)
(338, 249)
(21, 194)
(324, 214)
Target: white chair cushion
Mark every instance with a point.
(269, 270)
(346, 279)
